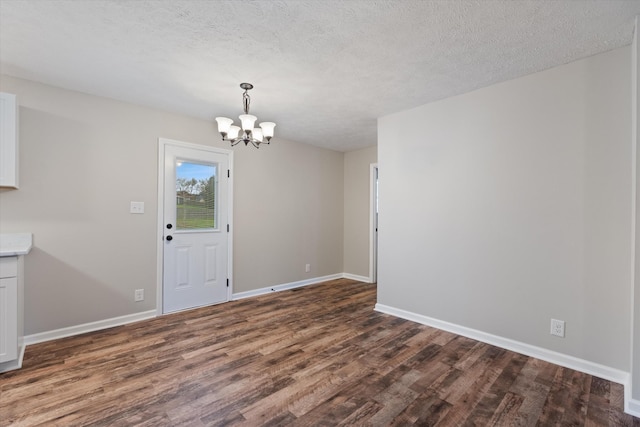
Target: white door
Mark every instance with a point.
(195, 227)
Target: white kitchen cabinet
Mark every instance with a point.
(11, 312)
(8, 140)
(8, 309)
(13, 248)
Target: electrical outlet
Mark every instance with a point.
(557, 328)
(307, 268)
(138, 295)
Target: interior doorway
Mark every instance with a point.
(373, 223)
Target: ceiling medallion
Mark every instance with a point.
(246, 132)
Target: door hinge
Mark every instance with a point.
(228, 173)
(227, 228)
(227, 283)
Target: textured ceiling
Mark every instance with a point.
(324, 71)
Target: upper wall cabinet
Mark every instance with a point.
(8, 140)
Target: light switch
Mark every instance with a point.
(137, 208)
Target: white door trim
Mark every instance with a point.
(162, 143)
(373, 235)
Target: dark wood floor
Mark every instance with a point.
(316, 356)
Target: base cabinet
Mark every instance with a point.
(8, 319)
(11, 313)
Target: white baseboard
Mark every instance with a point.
(13, 364)
(632, 407)
(564, 360)
(285, 286)
(356, 277)
(130, 318)
(88, 327)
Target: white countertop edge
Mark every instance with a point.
(17, 252)
(15, 244)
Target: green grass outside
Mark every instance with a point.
(191, 223)
(194, 217)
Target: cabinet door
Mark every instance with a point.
(8, 140)
(8, 319)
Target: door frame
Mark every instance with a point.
(373, 222)
(162, 144)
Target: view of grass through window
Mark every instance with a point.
(196, 187)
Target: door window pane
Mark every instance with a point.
(196, 188)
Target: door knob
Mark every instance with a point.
(169, 238)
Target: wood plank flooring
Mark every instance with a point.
(313, 356)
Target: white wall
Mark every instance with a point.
(288, 213)
(356, 209)
(635, 301)
(510, 205)
(84, 158)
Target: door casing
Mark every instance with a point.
(373, 222)
(162, 144)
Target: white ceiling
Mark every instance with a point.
(324, 71)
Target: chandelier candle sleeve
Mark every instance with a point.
(245, 132)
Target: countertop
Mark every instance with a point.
(14, 244)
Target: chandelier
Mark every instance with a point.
(247, 134)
